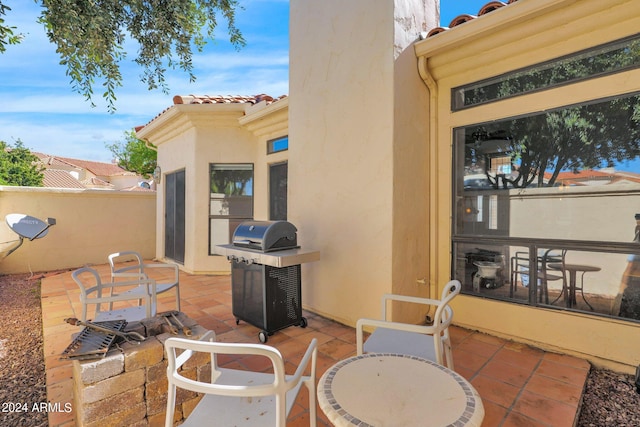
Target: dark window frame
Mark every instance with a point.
(274, 145)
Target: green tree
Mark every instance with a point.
(6, 32)
(134, 155)
(90, 36)
(19, 167)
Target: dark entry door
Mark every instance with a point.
(278, 175)
(174, 216)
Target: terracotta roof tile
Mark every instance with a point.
(96, 168)
(461, 19)
(56, 178)
(216, 99)
(96, 182)
(582, 177)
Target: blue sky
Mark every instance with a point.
(40, 108)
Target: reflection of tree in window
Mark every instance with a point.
(539, 147)
(231, 182)
(613, 57)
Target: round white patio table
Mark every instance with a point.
(391, 390)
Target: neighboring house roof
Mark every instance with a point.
(59, 173)
(217, 99)
(96, 168)
(56, 178)
(461, 19)
(94, 182)
(590, 177)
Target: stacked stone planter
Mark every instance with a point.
(129, 386)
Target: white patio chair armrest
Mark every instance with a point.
(407, 299)
(408, 327)
(309, 355)
(186, 354)
(421, 329)
(128, 271)
(411, 299)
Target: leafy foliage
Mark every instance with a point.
(7, 36)
(18, 167)
(230, 181)
(91, 35)
(569, 139)
(134, 155)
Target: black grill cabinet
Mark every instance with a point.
(266, 275)
(266, 297)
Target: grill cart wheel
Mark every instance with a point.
(303, 322)
(237, 321)
(263, 336)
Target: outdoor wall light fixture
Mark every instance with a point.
(157, 174)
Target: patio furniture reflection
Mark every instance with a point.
(521, 266)
(384, 389)
(569, 292)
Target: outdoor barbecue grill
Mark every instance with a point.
(266, 275)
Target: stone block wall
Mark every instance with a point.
(129, 386)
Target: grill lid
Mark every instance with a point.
(266, 236)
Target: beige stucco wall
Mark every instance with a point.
(190, 138)
(355, 189)
(521, 34)
(90, 224)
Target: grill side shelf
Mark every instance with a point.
(285, 258)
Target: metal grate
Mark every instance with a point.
(93, 344)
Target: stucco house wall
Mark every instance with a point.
(190, 138)
(357, 126)
(521, 34)
(370, 159)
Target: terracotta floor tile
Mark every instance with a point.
(510, 374)
(465, 359)
(497, 368)
(495, 391)
(522, 359)
(568, 360)
(561, 372)
(554, 389)
(514, 419)
(545, 410)
(479, 347)
(494, 414)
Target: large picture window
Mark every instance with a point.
(230, 200)
(546, 205)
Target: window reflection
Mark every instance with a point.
(609, 58)
(536, 176)
(597, 282)
(569, 176)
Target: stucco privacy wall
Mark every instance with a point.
(355, 188)
(90, 224)
(525, 33)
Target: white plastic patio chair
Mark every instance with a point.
(94, 292)
(235, 397)
(427, 341)
(139, 270)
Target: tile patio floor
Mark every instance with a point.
(519, 385)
